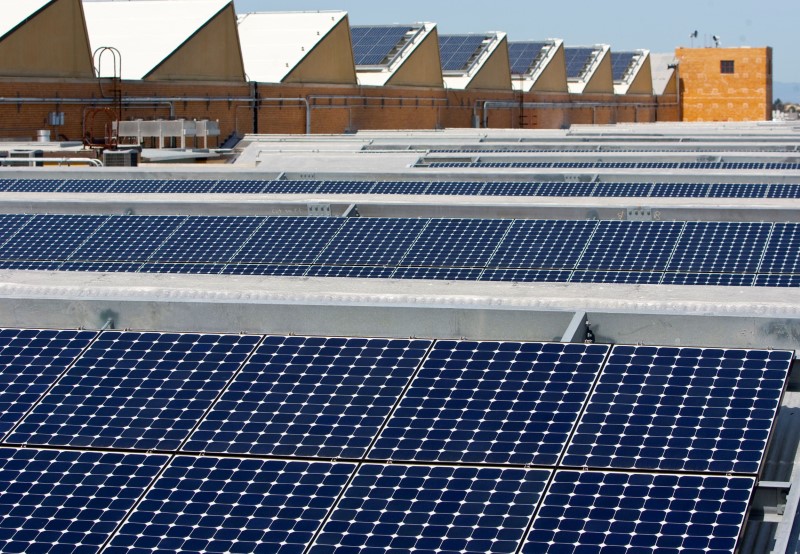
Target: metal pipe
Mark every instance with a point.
(60, 161)
(556, 105)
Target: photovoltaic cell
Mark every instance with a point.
(372, 45)
(400, 187)
(455, 188)
(355, 271)
(51, 237)
(737, 190)
(291, 187)
(510, 189)
(186, 269)
(128, 238)
(783, 191)
(86, 185)
(438, 273)
(288, 240)
(766, 280)
(598, 512)
(186, 186)
(491, 402)
(310, 396)
(717, 279)
(456, 243)
(525, 275)
(522, 55)
(627, 277)
(213, 504)
(398, 508)
(104, 267)
(264, 269)
(345, 187)
(780, 254)
(620, 62)
(135, 390)
(631, 245)
(10, 225)
(720, 247)
(456, 51)
(30, 361)
(565, 189)
(234, 186)
(577, 59)
(634, 190)
(135, 186)
(682, 190)
(543, 244)
(213, 239)
(681, 409)
(371, 241)
(34, 185)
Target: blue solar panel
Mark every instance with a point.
(631, 245)
(310, 396)
(373, 45)
(86, 185)
(54, 501)
(398, 508)
(371, 241)
(186, 269)
(34, 185)
(455, 188)
(51, 237)
(456, 243)
(780, 254)
(345, 187)
(737, 190)
(400, 187)
(783, 191)
(183, 186)
(288, 240)
(31, 265)
(633, 190)
(525, 275)
(765, 280)
(523, 55)
(682, 190)
(577, 60)
(565, 189)
(113, 241)
(135, 390)
(213, 239)
(30, 361)
(457, 51)
(10, 225)
(491, 402)
(596, 513)
(681, 409)
(543, 244)
(264, 269)
(247, 186)
(620, 62)
(626, 277)
(355, 271)
(135, 186)
(291, 187)
(510, 189)
(105, 267)
(438, 273)
(720, 247)
(232, 505)
(717, 279)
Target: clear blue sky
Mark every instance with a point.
(624, 24)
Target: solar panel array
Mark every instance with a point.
(578, 60)
(621, 62)
(525, 55)
(754, 166)
(458, 51)
(373, 45)
(145, 442)
(450, 188)
(722, 253)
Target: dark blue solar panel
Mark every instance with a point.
(187, 269)
(737, 190)
(636, 190)
(177, 186)
(371, 241)
(717, 279)
(681, 409)
(135, 186)
(565, 189)
(720, 247)
(543, 244)
(455, 188)
(51, 237)
(213, 239)
(105, 267)
(765, 280)
(86, 185)
(291, 187)
(522, 55)
(288, 240)
(345, 187)
(525, 275)
(135, 390)
(34, 185)
(252, 186)
(682, 190)
(492, 402)
(597, 512)
(30, 361)
(510, 189)
(54, 501)
(398, 508)
(457, 51)
(264, 269)
(372, 45)
(783, 191)
(631, 245)
(456, 243)
(356, 271)
(31, 265)
(10, 225)
(626, 277)
(400, 187)
(232, 505)
(4, 183)
(127, 238)
(577, 60)
(781, 252)
(620, 62)
(438, 273)
(310, 396)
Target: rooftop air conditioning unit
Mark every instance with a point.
(121, 158)
(26, 155)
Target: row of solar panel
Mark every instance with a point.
(82, 501)
(763, 166)
(464, 402)
(472, 249)
(466, 188)
(670, 409)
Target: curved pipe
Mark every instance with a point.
(60, 161)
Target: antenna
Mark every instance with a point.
(693, 35)
(716, 39)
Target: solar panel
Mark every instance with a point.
(400, 187)
(455, 188)
(103, 267)
(34, 185)
(112, 241)
(780, 254)
(212, 239)
(373, 45)
(398, 508)
(85, 185)
(31, 265)
(10, 225)
(491, 402)
(720, 247)
(577, 60)
(345, 187)
(456, 243)
(184, 186)
(457, 51)
(631, 245)
(523, 55)
(30, 361)
(783, 191)
(510, 189)
(438, 273)
(681, 409)
(185, 269)
(765, 280)
(620, 62)
(371, 241)
(291, 187)
(716, 279)
(626, 277)
(264, 269)
(310, 396)
(565, 189)
(543, 244)
(54, 501)
(681, 190)
(634, 190)
(135, 390)
(737, 190)
(592, 512)
(213, 504)
(525, 275)
(51, 237)
(355, 271)
(236, 186)
(135, 186)
(288, 240)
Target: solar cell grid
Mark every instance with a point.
(720, 247)
(183, 186)
(135, 390)
(213, 504)
(491, 402)
(291, 187)
(456, 51)
(135, 186)
(780, 254)
(456, 243)
(372, 45)
(684, 190)
(717, 279)
(288, 240)
(253, 186)
(51, 237)
(577, 59)
(398, 508)
(681, 409)
(634, 190)
(85, 185)
(34, 185)
(455, 188)
(371, 241)
(52, 501)
(103, 267)
(620, 62)
(10, 225)
(766, 280)
(345, 187)
(310, 396)
(525, 275)
(362, 272)
(211, 239)
(543, 244)
(510, 189)
(438, 273)
(783, 191)
(565, 189)
(631, 245)
(629, 277)
(264, 269)
(113, 241)
(737, 190)
(186, 269)
(596, 512)
(400, 187)
(31, 265)
(523, 55)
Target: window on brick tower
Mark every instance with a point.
(726, 66)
